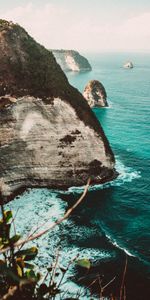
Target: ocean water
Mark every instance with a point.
(127, 125)
(114, 220)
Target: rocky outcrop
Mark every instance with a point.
(95, 94)
(49, 137)
(71, 60)
(128, 65)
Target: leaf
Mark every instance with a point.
(19, 271)
(20, 262)
(8, 215)
(85, 263)
(38, 276)
(4, 233)
(63, 270)
(28, 254)
(15, 239)
(31, 275)
(29, 266)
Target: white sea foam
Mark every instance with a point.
(118, 246)
(126, 174)
(110, 104)
(39, 206)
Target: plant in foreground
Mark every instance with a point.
(18, 278)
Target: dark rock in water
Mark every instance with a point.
(71, 60)
(49, 137)
(95, 94)
(128, 65)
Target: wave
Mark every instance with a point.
(93, 254)
(110, 238)
(126, 174)
(114, 243)
(125, 250)
(110, 104)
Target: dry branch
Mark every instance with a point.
(52, 226)
(122, 289)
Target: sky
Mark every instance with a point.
(84, 25)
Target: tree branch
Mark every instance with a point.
(52, 226)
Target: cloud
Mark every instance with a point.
(57, 26)
(135, 32)
(138, 26)
(47, 23)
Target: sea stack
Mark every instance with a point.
(95, 94)
(128, 65)
(71, 60)
(49, 136)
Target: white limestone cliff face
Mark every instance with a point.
(71, 63)
(48, 145)
(71, 60)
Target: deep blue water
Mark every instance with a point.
(116, 215)
(126, 212)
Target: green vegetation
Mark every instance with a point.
(4, 24)
(27, 68)
(18, 279)
(17, 275)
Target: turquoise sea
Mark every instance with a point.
(114, 220)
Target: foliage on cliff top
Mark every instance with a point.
(4, 24)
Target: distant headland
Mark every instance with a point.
(71, 60)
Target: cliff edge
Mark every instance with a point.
(49, 137)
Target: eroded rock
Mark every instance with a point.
(95, 94)
(49, 137)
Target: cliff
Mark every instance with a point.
(49, 137)
(71, 60)
(95, 94)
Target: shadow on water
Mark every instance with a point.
(89, 214)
